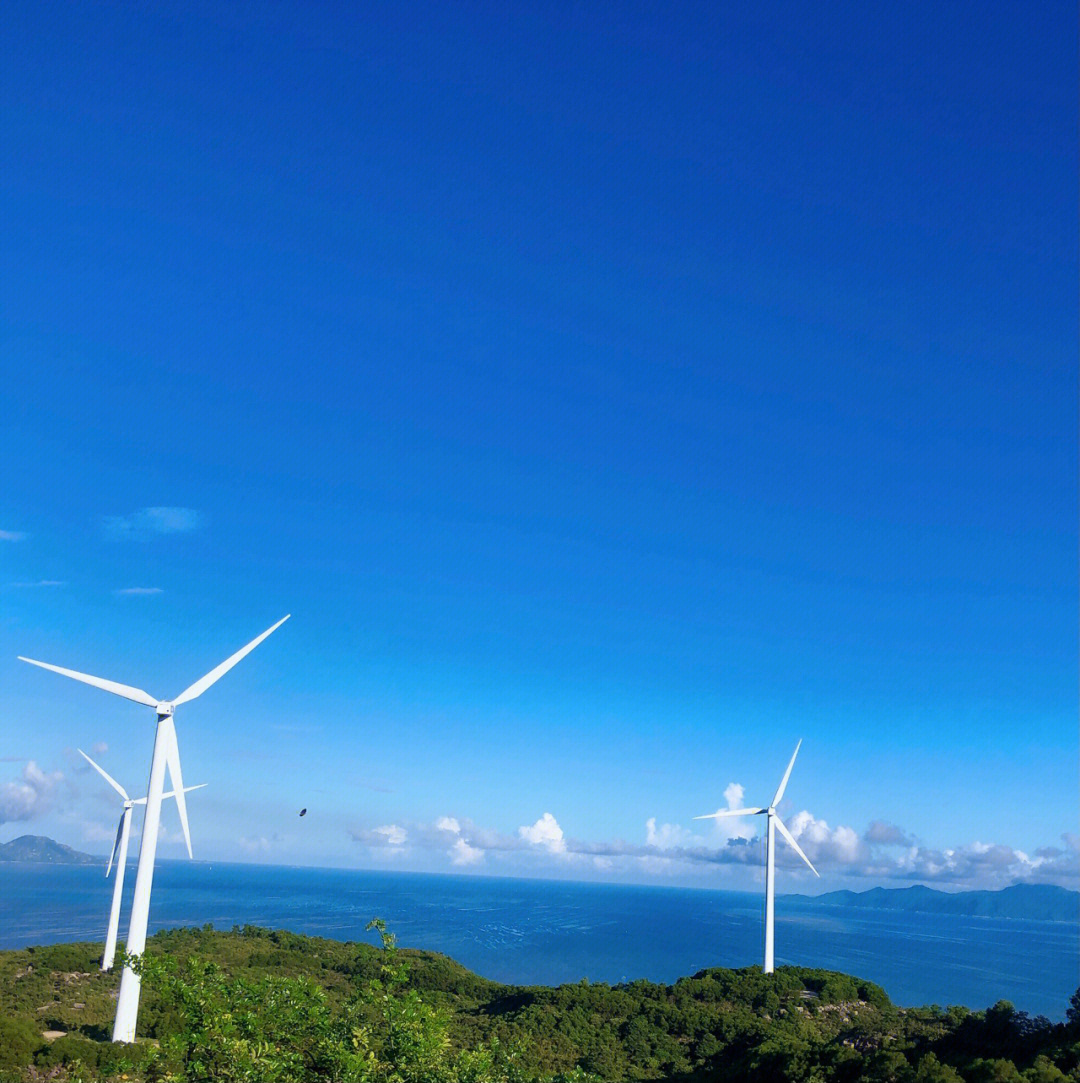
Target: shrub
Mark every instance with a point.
(68, 1050)
(19, 1039)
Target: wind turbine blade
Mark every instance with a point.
(116, 842)
(125, 690)
(204, 683)
(172, 759)
(787, 775)
(105, 775)
(187, 789)
(731, 812)
(794, 845)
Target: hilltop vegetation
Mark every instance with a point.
(258, 1005)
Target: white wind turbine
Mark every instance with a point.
(119, 852)
(770, 845)
(167, 754)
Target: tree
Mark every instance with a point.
(1072, 1013)
(931, 1070)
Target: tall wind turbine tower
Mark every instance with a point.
(119, 852)
(166, 754)
(774, 824)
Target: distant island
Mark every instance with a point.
(1034, 902)
(44, 851)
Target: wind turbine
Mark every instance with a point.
(119, 851)
(775, 823)
(166, 754)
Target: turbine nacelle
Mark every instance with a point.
(164, 709)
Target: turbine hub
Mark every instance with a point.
(164, 710)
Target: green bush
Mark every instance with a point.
(67, 957)
(68, 1050)
(19, 1040)
(282, 1030)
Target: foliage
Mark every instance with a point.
(260, 1005)
(19, 1039)
(282, 1030)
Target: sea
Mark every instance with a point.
(544, 932)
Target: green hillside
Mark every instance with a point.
(258, 1005)
(44, 851)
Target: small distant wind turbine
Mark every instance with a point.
(770, 845)
(166, 754)
(119, 852)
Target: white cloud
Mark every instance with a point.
(33, 796)
(841, 850)
(11, 535)
(390, 837)
(988, 865)
(150, 521)
(139, 590)
(42, 583)
(672, 850)
(847, 843)
(394, 835)
(841, 846)
(666, 836)
(735, 827)
(258, 844)
(461, 853)
(99, 748)
(545, 832)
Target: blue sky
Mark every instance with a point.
(613, 398)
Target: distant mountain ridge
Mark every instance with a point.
(44, 851)
(1036, 902)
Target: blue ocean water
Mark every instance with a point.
(549, 932)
